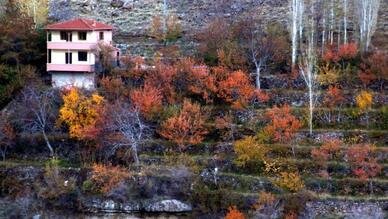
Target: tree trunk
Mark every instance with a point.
(258, 71)
(311, 108)
(135, 156)
(48, 143)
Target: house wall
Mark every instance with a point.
(92, 37)
(70, 79)
(59, 57)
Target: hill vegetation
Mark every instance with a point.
(257, 125)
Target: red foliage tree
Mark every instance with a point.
(344, 52)
(185, 128)
(283, 124)
(347, 51)
(366, 75)
(327, 151)
(362, 161)
(148, 100)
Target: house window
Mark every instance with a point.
(69, 58)
(49, 56)
(81, 35)
(63, 35)
(101, 35)
(82, 56)
(68, 36)
(49, 36)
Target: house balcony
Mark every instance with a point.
(71, 45)
(70, 67)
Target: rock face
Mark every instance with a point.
(151, 206)
(132, 18)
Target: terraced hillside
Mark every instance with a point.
(208, 178)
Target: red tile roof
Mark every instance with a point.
(79, 24)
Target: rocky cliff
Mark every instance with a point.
(132, 18)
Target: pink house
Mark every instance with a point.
(70, 57)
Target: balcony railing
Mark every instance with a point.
(70, 67)
(71, 45)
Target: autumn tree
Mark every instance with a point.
(187, 127)
(236, 89)
(147, 99)
(105, 55)
(328, 151)
(126, 130)
(262, 45)
(374, 67)
(82, 114)
(290, 181)
(162, 78)
(195, 80)
(364, 102)
(22, 49)
(234, 213)
(219, 45)
(7, 135)
(112, 88)
(38, 111)
(333, 99)
(21, 43)
(250, 152)
(283, 125)
(105, 178)
(363, 161)
(226, 126)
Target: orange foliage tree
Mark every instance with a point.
(163, 78)
(234, 213)
(112, 88)
(107, 177)
(196, 80)
(236, 89)
(148, 100)
(82, 114)
(185, 128)
(283, 124)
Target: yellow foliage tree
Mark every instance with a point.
(328, 75)
(290, 181)
(249, 151)
(364, 100)
(81, 114)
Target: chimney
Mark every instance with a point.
(94, 23)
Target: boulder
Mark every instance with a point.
(171, 206)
